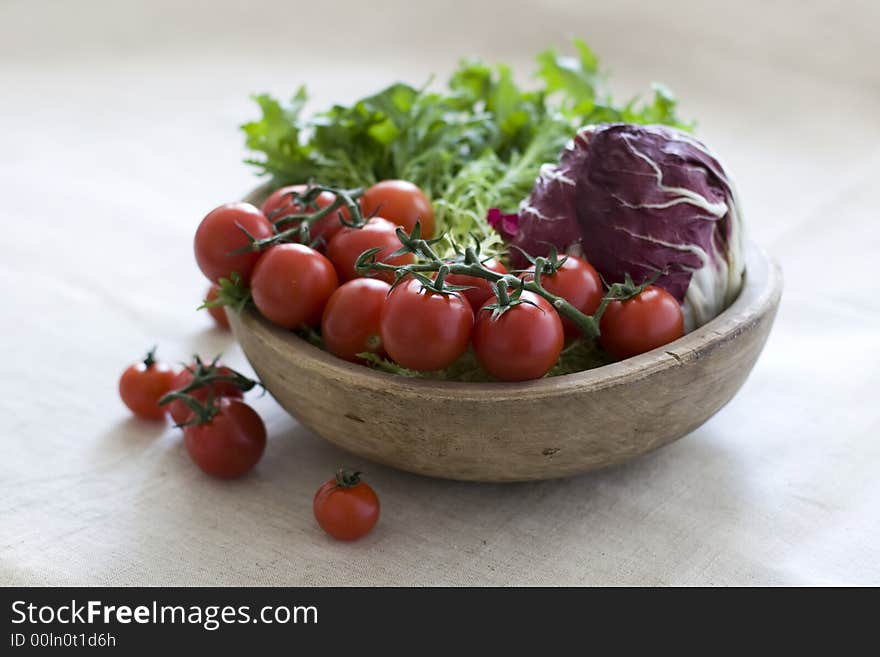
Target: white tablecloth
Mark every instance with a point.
(118, 124)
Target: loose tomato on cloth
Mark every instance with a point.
(228, 440)
(425, 330)
(521, 343)
(345, 507)
(577, 282)
(349, 243)
(221, 233)
(217, 313)
(178, 409)
(647, 321)
(143, 384)
(351, 321)
(479, 290)
(402, 203)
(281, 204)
(291, 284)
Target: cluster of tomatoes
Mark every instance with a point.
(423, 327)
(226, 437)
(291, 283)
(223, 435)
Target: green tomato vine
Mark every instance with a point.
(508, 288)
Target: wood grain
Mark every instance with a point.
(552, 427)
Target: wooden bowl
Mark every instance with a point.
(552, 427)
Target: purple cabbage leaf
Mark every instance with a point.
(640, 200)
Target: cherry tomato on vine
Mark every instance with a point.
(349, 243)
(400, 202)
(578, 283)
(291, 284)
(521, 344)
(345, 507)
(180, 412)
(220, 234)
(481, 289)
(642, 323)
(217, 313)
(280, 204)
(350, 324)
(143, 384)
(228, 444)
(425, 330)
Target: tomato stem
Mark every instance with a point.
(204, 375)
(231, 292)
(202, 413)
(301, 231)
(150, 358)
(624, 291)
(501, 292)
(470, 264)
(347, 478)
(551, 262)
(508, 287)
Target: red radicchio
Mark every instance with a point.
(638, 200)
(505, 224)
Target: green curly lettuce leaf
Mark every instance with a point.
(474, 145)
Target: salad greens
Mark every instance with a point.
(477, 144)
(474, 145)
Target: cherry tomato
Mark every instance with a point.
(401, 202)
(578, 283)
(345, 507)
(349, 243)
(523, 343)
(220, 234)
(217, 313)
(481, 290)
(425, 330)
(645, 322)
(230, 443)
(350, 325)
(180, 412)
(281, 204)
(142, 384)
(291, 285)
